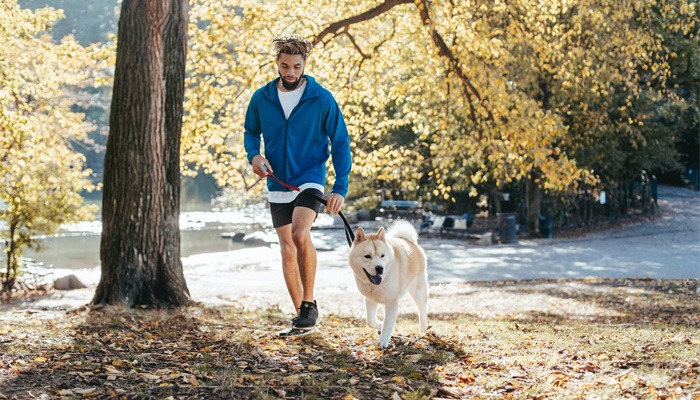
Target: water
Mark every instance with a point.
(201, 232)
(83, 250)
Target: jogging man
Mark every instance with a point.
(298, 119)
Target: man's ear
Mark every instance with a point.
(380, 234)
(359, 235)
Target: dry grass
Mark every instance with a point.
(648, 349)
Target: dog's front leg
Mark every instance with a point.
(391, 312)
(371, 307)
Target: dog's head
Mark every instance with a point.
(370, 256)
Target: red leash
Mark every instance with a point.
(349, 234)
(271, 175)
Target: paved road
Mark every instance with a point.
(666, 247)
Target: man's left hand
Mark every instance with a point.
(335, 201)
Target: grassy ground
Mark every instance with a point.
(645, 345)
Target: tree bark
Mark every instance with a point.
(533, 199)
(140, 245)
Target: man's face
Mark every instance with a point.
(290, 68)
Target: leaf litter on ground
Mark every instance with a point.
(644, 346)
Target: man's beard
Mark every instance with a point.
(290, 85)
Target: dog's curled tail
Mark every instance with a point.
(403, 229)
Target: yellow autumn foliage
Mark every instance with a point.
(42, 177)
(511, 89)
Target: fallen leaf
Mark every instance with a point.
(395, 396)
(557, 378)
(314, 368)
(589, 367)
(414, 358)
(291, 379)
(85, 391)
(40, 360)
(398, 379)
(151, 377)
(353, 381)
(113, 371)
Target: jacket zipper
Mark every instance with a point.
(286, 128)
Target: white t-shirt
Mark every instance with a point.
(289, 100)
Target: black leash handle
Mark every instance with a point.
(349, 234)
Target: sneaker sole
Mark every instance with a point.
(294, 332)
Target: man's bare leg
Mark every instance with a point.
(302, 218)
(290, 267)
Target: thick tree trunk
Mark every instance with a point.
(140, 247)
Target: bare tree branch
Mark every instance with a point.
(352, 40)
(444, 50)
(365, 16)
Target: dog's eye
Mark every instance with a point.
(368, 256)
(382, 255)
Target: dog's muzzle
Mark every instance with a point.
(375, 279)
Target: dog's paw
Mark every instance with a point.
(383, 344)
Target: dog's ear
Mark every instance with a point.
(359, 235)
(380, 234)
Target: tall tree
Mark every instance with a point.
(41, 175)
(140, 247)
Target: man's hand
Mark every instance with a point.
(259, 163)
(335, 201)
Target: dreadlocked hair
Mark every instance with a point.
(292, 44)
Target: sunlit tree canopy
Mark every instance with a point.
(443, 96)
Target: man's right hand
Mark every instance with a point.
(259, 163)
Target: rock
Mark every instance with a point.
(257, 239)
(486, 239)
(234, 236)
(365, 215)
(351, 218)
(69, 282)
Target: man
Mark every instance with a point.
(298, 120)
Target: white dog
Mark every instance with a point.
(386, 266)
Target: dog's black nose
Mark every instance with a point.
(379, 269)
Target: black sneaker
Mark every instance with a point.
(292, 332)
(308, 314)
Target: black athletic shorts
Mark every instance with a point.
(282, 212)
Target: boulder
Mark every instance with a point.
(351, 218)
(365, 215)
(69, 282)
(257, 239)
(238, 237)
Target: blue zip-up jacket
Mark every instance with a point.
(297, 149)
